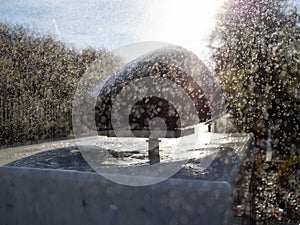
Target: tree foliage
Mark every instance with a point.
(38, 79)
(256, 47)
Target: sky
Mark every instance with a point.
(111, 24)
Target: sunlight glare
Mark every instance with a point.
(183, 22)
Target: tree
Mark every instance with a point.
(38, 80)
(257, 61)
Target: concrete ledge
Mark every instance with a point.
(35, 196)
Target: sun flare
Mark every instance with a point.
(183, 22)
(191, 19)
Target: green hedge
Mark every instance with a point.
(18, 131)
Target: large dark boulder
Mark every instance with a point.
(166, 68)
